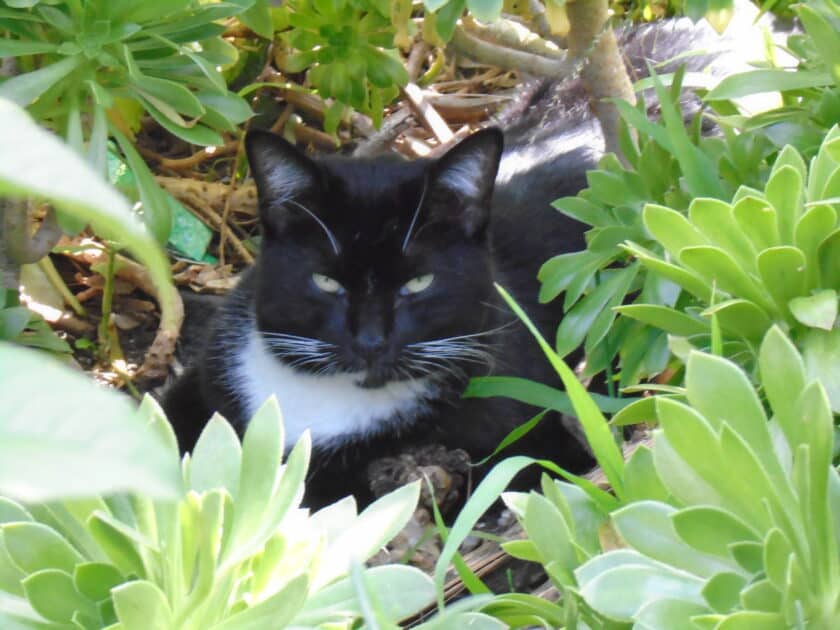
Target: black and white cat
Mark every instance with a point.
(372, 303)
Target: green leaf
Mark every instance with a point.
(258, 19)
(824, 35)
(549, 532)
(52, 447)
(52, 595)
(578, 322)
(668, 319)
(752, 620)
(641, 480)
(740, 318)
(813, 225)
(95, 580)
(828, 254)
(783, 377)
(817, 311)
(13, 321)
(711, 529)
(757, 220)
(274, 612)
(784, 192)
(684, 278)
(719, 268)
(594, 425)
(536, 394)
(44, 167)
(584, 211)
(789, 156)
(759, 81)
(667, 613)
(34, 547)
(821, 355)
(401, 590)
(485, 10)
(620, 592)
(761, 595)
(647, 527)
(18, 48)
(118, 544)
(141, 605)
(715, 220)
(216, 458)
(722, 590)
(25, 88)
(262, 450)
(671, 229)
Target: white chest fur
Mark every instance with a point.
(333, 407)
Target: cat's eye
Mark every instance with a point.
(417, 285)
(327, 284)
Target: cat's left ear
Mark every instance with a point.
(461, 182)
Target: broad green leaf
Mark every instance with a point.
(640, 477)
(120, 546)
(761, 595)
(665, 614)
(714, 218)
(548, 531)
(789, 156)
(783, 377)
(828, 255)
(372, 529)
(668, 319)
(18, 48)
(141, 605)
(11, 512)
(712, 530)
(55, 447)
(43, 166)
(823, 32)
(275, 612)
(619, 593)
(402, 591)
(95, 580)
(688, 280)
(195, 134)
(812, 228)
(758, 81)
(584, 211)
(521, 550)
(25, 88)
(752, 620)
(722, 590)
(52, 595)
(647, 527)
(258, 19)
(757, 220)
(740, 318)
(642, 410)
(262, 450)
(821, 355)
(817, 311)
(748, 555)
(784, 192)
(34, 547)
(216, 458)
(719, 268)
(672, 229)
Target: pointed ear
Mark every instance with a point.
(281, 171)
(461, 182)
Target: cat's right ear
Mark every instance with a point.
(282, 172)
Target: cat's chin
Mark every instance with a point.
(374, 379)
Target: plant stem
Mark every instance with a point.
(104, 330)
(47, 266)
(604, 76)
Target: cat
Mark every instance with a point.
(373, 302)
(373, 299)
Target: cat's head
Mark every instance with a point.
(379, 266)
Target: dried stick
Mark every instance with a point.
(426, 113)
(509, 58)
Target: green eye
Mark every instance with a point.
(418, 284)
(327, 284)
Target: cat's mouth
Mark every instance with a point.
(375, 378)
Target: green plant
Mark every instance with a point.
(670, 165)
(730, 520)
(221, 543)
(90, 69)
(770, 257)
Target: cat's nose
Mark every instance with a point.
(369, 345)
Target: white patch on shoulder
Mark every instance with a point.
(333, 407)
